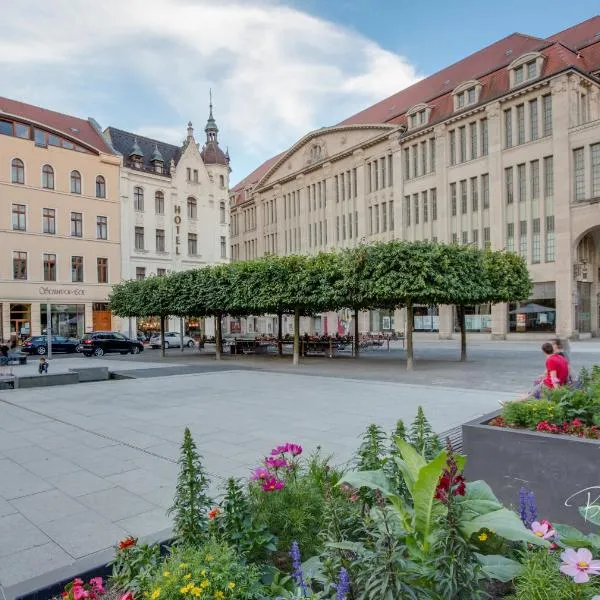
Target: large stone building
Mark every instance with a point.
(501, 150)
(59, 222)
(174, 213)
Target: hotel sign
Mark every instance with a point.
(177, 221)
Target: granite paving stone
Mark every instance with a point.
(146, 523)
(49, 466)
(16, 481)
(79, 483)
(116, 503)
(17, 533)
(47, 506)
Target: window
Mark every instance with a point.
(222, 212)
(138, 199)
(531, 68)
(534, 173)
(547, 115)
(487, 242)
(453, 147)
(595, 163)
(521, 183)
(383, 222)
(406, 163)
(423, 158)
(519, 75)
(465, 237)
(407, 206)
(475, 237)
(455, 238)
(384, 216)
(433, 194)
(416, 206)
(473, 135)
(548, 176)
(140, 272)
(415, 161)
(75, 182)
(508, 128)
(77, 269)
(102, 228)
(523, 240)
(161, 272)
(19, 217)
(463, 197)
(6, 127)
(375, 211)
(390, 173)
(100, 187)
(483, 127)
(189, 174)
(485, 191)
(521, 124)
(337, 224)
(462, 137)
(453, 199)
(425, 206)
(49, 220)
(508, 185)
(510, 237)
(159, 203)
(474, 194)
(431, 156)
(18, 171)
(535, 242)
(139, 238)
(222, 181)
(579, 174)
(390, 218)
(192, 244)
(19, 265)
(102, 268)
(47, 177)
(336, 184)
(76, 224)
(195, 175)
(49, 267)
(533, 119)
(550, 240)
(223, 247)
(192, 208)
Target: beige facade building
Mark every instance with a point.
(501, 150)
(59, 222)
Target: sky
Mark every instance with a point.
(278, 68)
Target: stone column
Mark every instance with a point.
(446, 321)
(36, 318)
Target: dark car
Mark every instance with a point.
(100, 343)
(38, 344)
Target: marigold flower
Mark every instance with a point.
(219, 595)
(579, 564)
(231, 585)
(167, 574)
(482, 537)
(187, 577)
(209, 557)
(127, 542)
(155, 594)
(214, 513)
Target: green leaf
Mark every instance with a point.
(356, 547)
(591, 513)
(478, 500)
(374, 480)
(569, 536)
(499, 567)
(412, 462)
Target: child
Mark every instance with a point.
(43, 366)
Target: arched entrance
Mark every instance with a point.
(586, 278)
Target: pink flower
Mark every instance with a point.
(295, 449)
(276, 463)
(543, 529)
(79, 593)
(77, 582)
(97, 585)
(260, 473)
(272, 484)
(578, 564)
(279, 450)
(126, 596)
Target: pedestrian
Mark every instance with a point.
(561, 348)
(43, 366)
(4, 360)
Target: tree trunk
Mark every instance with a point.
(181, 332)
(296, 359)
(218, 338)
(409, 337)
(463, 332)
(280, 334)
(162, 335)
(356, 340)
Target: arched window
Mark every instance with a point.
(138, 199)
(222, 212)
(192, 208)
(159, 203)
(18, 171)
(75, 182)
(100, 187)
(222, 181)
(47, 177)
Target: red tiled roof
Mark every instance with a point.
(579, 35)
(86, 132)
(257, 173)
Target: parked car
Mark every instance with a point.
(38, 344)
(100, 343)
(172, 340)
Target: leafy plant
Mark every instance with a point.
(372, 450)
(191, 503)
(133, 564)
(422, 436)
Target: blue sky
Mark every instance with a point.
(278, 68)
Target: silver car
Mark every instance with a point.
(172, 340)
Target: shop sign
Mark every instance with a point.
(177, 221)
(53, 291)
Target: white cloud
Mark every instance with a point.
(276, 72)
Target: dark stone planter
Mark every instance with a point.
(563, 471)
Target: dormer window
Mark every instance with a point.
(418, 115)
(525, 68)
(466, 94)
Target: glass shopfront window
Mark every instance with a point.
(66, 319)
(477, 318)
(426, 318)
(537, 313)
(20, 321)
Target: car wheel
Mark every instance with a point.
(191, 344)
(98, 352)
(167, 345)
(41, 350)
(79, 348)
(135, 350)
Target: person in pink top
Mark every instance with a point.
(557, 368)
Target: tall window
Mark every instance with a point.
(75, 182)
(407, 206)
(547, 115)
(534, 173)
(548, 176)
(19, 265)
(521, 183)
(138, 199)
(453, 199)
(416, 207)
(223, 247)
(76, 224)
(595, 163)
(160, 240)
(192, 244)
(415, 161)
(47, 177)
(100, 187)
(453, 147)
(487, 242)
(463, 197)
(508, 184)
(19, 217)
(523, 240)
(222, 181)
(521, 124)
(579, 174)
(433, 195)
(510, 237)
(77, 269)
(49, 220)
(483, 126)
(425, 201)
(159, 203)
(18, 171)
(431, 157)
(49, 267)
(508, 128)
(102, 228)
(162, 272)
(535, 242)
(222, 212)
(462, 136)
(192, 208)
(423, 158)
(102, 268)
(533, 119)
(139, 238)
(474, 194)
(140, 272)
(465, 237)
(406, 165)
(550, 239)
(473, 136)
(485, 191)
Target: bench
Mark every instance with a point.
(17, 358)
(31, 381)
(7, 382)
(86, 374)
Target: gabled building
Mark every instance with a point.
(501, 150)
(174, 213)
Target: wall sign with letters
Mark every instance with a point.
(177, 221)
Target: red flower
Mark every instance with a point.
(497, 422)
(126, 543)
(214, 513)
(126, 596)
(450, 482)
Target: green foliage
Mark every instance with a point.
(372, 450)
(133, 566)
(529, 414)
(422, 436)
(191, 504)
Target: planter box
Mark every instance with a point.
(560, 469)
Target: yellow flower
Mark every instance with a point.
(184, 590)
(187, 577)
(166, 574)
(183, 566)
(155, 594)
(209, 557)
(203, 572)
(231, 585)
(196, 591)
(219, 595)
(482, 537)
(205, 584)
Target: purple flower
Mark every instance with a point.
(294, 449)
(527, 507)
(297, 573)
(279, 450)
(532, 507)
(272, 484)
(260, 474)
(523, 506)
(275, 463)
(343, 585)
